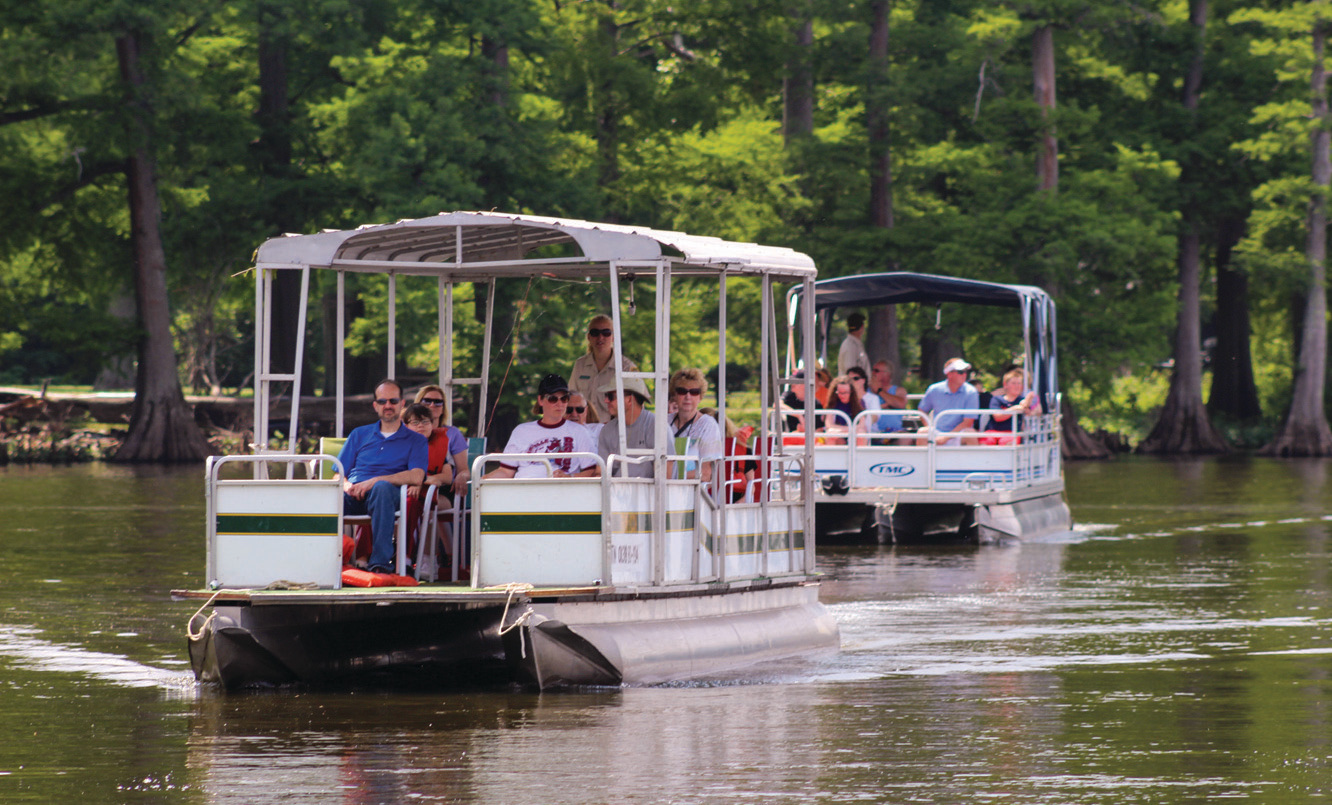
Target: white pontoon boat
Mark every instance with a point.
(604, 581)
(893, 488)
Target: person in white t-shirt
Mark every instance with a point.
(689, 386)
(552, 433)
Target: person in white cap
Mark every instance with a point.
(950, 394)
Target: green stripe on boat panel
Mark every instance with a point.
(542, 523)
(314, 524)
(641, 522)
(746, 544)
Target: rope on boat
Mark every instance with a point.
(189, 624)
(514, 587)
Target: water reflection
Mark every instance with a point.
(1176, 648)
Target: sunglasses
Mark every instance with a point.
(388, 400)
(554, 398)
(681, 391)
(432, 401)
(577, 409)
(605, 333)
(610, 395)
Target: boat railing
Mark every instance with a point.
(262, 530)
(926, 460)
(670, 529)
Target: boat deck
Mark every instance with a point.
(454, 593)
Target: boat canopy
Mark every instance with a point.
(470, 246)
(898, 287)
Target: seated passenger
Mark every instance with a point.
(583, 413)
(689, 386)
(822, 386)
(1007, 405)
(869, 401)
(890, 395)
(740, 471)
(448, 445)
(951, 393)
(552, 433)
(378, 458)
(846, 401)
(793, 405)
(640, 427)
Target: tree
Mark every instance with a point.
(162, 426)
(1184, 426)
(1305, 431)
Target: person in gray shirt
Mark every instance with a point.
(639, 427)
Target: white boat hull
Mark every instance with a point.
(644, 641)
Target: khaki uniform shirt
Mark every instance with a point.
(585, 379)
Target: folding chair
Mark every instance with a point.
(333, 446)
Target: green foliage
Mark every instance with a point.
(659, 113)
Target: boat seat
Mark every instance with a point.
(448, 523)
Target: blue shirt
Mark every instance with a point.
(939, 398)
(368, 454)
(888, 423)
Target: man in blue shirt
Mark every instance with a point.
(952, 393)
(377, 459)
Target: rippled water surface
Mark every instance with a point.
(1175, 648)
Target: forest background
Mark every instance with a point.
(1160, 166)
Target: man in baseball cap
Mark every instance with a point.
(941, 399)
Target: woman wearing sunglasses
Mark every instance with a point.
(552, 433)
(688, 387)
(448, 446)
(594, 369)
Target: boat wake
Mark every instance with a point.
(23, 645)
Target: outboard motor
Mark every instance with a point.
(834, 484)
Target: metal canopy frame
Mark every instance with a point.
(898, 287)
(481, 247)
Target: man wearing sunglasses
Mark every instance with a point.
(640, 428)
(594, 369)
(377, 459)
(552, 433)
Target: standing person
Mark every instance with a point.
(552, 433)
(951, 393)
(377, 459)
(689, 386)
(594, 369)
(448, 445)
(852, 351)
(640, 428)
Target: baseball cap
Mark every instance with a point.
(956, 365)
(552, 384)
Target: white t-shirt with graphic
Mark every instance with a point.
(535, 437)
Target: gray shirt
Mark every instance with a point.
(639, 434)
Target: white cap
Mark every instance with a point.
(956, 365)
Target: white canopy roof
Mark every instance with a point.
(460, 243)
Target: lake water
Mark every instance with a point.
(1176, 648)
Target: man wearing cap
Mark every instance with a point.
(952, 393)
(852, 351)
(640, 428)
(552, 433)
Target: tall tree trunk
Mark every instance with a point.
(283, 212)
(1234, 392)
(1184, 426)
(607, 133)
(162, 426)
(881, 335)
(798, 85)
(1306, 432)
(1043, 77)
